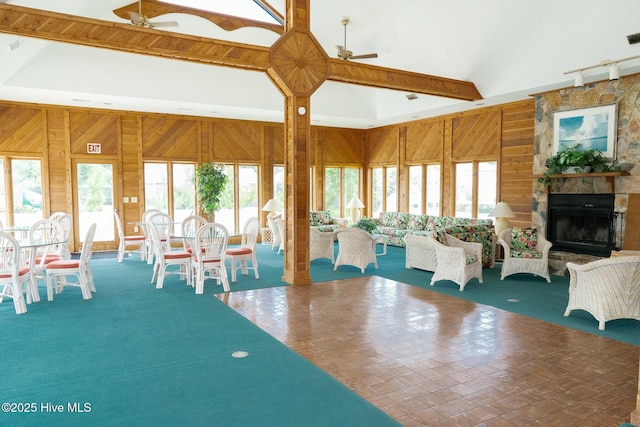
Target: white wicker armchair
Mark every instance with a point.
(457, 261)
(356, 247)
(321, 244)
(419, 252)
(608, 288)
(512, 264)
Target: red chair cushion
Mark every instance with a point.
(63, 263)
(239, 251)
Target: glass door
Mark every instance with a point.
(94, 199)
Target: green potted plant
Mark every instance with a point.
(573, 159)
(211, 179)
(366, 224)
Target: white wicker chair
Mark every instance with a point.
(608, 288)
(457, 261)
(321, 244)
(280, 229)
(356, 247)
(512, 265)
(275, 235)
(419, 252)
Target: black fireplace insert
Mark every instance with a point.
(582, 223)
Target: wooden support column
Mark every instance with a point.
(298, 66)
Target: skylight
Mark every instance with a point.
(250, 9)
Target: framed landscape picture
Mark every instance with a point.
(591, 128)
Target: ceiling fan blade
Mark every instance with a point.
(366, 56)
(134, 16)
(342, 53)
(164, 24)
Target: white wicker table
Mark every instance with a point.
(381, 239)
(267, 235)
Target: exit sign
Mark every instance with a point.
(93, 148)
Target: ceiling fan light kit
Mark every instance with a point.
(141, 21)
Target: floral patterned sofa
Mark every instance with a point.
(323, 221)
(396, 225)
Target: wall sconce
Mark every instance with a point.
(501, 212)
(355, 205)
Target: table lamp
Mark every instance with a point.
(355, 205)
(501, 212)
(272, 206)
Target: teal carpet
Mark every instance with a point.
(137, 356)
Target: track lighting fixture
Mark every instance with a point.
(614, 70)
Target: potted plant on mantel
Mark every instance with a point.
(211, 180)
(573, 160)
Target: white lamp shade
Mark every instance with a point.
(355, 203)
(502, 210)
(272, 206)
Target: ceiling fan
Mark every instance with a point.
(139, 20)
(347, 54)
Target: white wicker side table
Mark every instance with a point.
(267, 236)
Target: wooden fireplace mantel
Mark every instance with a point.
(609, 176)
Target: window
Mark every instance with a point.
(170, 187)
(384, 190)
(341, 184)
(475, 189)
(418, 185)
(26, 191)
(239, 201)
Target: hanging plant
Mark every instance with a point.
(211, 179)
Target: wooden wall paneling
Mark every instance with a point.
(516, 160)
(21, 129)
(57, 162)
(236, 141)
(382, 146)
(424, 141)
(169, 138)
(343, 146)
(131, 171)
(402, 184)
(447, 171)
(87, 127)
(318, 136)
(476, 136)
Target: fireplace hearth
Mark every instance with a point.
(582, 223)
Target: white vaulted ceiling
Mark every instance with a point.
(510, 49)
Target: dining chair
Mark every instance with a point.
(65, 221)
(46, 237)
(208, 261)
(58, 272)
(143, 226)
(240, 256)
(14, 276)
(137, 241)
(188, 229)
(165, 257)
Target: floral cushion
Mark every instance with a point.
(470, 259)
(394, 219)
(441, 236)
(418, 222)
(524, 238)
(320, 218)
(525, 253)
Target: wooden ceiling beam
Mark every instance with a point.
(389, 78)
(78, 30)
(153, 9)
